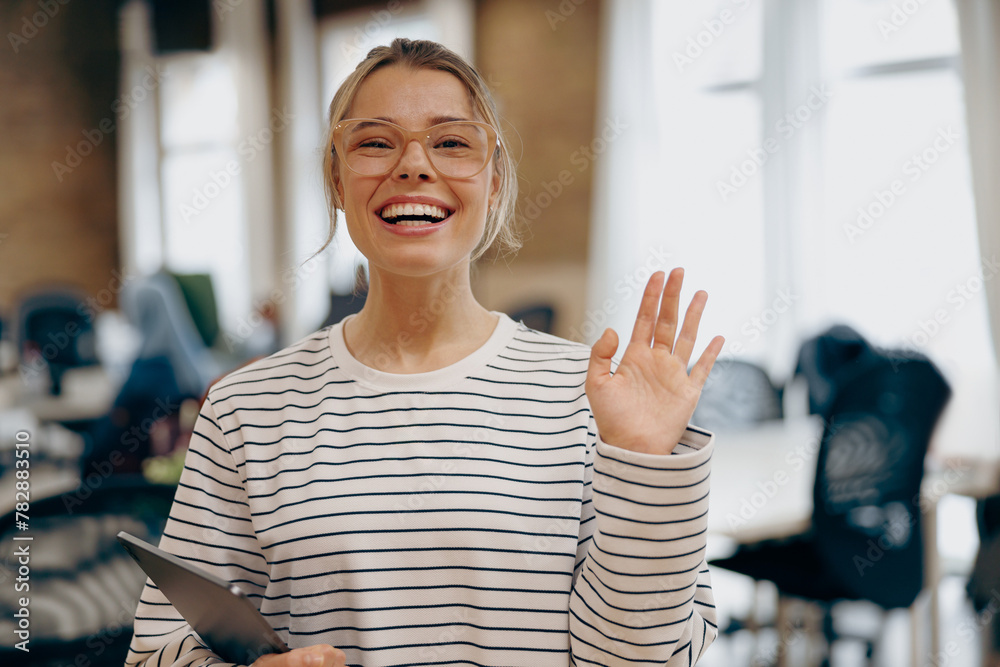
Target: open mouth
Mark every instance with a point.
(413, 215)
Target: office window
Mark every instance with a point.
(710, 108)
(812, 168)
(900, 253)
(203, 217)
(186, 145)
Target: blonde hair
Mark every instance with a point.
(423, 54)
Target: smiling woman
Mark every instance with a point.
(429, 482)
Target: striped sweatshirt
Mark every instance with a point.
(470, 515)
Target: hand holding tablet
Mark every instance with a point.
(221, 613)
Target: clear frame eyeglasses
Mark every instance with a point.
(456, 149)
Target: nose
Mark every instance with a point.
(414, 162)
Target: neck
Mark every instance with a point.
(416, 325)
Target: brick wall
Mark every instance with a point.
(59, 73)
(541, 58)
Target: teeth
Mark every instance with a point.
(426, 210)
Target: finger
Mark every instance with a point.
(599, 368)
(277, 659)
(699, 374)
(309, 658)
(329, 656)
(666, 323)
(320, 655)
(689, 332)
(645, 321)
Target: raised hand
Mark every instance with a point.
(646, 405)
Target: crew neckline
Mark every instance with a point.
(502, 334)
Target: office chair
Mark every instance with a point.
(866, 537)
(737, 394)
(55, 327)
(831, 359)
(540, 317)
(342, 305)
(84, 588)
(199, 297)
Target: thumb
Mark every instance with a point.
(600, 357)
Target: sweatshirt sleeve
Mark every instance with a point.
(642, 593)
(209, 526)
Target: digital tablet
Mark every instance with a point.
(219, 611)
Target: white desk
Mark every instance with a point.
(87, 394)
(762, 478)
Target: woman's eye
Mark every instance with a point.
(451, 143)
(374, 143)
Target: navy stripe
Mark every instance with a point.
(358, 511)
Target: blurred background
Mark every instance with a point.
(826, 169)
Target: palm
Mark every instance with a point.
(647, 403)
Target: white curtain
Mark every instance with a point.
(140, 228)
(655, 152)
(979, 22)
(623, 181)
(303, 219)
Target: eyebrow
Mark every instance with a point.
(437, 120)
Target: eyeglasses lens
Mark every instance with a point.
(457, 149)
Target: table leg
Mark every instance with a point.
(932, 575)
(780, 621)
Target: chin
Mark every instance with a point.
(419, 263)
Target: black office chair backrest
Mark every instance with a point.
(59, 326)
(830, 360)
(867, 512)
(84, 587)
(538, 316)
(737, 393)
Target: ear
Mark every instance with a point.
(338, 185)
(495, 185)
